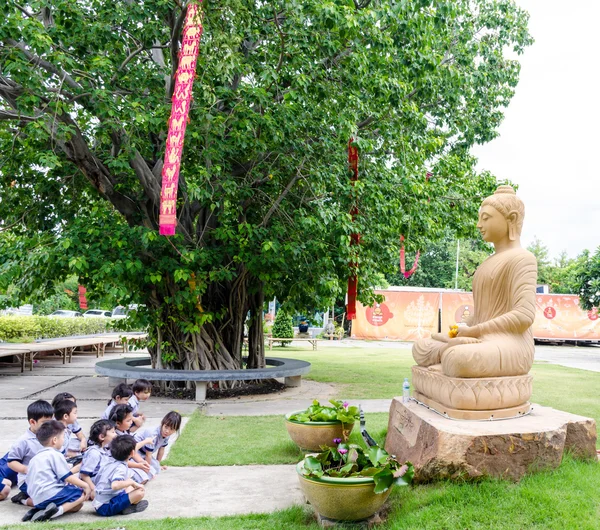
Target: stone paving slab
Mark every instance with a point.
(217, 491)
(22, 386)
(154, 408)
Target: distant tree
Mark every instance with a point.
(545, 268)
(282, 327)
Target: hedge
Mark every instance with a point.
(39, 327)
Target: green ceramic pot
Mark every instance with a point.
(342, 499)
(311, 435)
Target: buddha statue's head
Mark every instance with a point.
(501, 216)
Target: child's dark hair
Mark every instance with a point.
(100, 428)
(173, 420)
(39, 409)
(119, 413)
(49, 430)
(61, 397)
(64, 407)
(122, 390)
(142, 385)
(121, 447)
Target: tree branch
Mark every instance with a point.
(49, 67)
(282, 195)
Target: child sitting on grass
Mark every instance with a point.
(116, 492)
(120, 396)
(142, 389)
(77, 441)
(122, 417)
(53, 488)
(27, 446)
(102, 433)
(160, 435)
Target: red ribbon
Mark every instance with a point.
(407, 274)
(182, 97)
(354, 237)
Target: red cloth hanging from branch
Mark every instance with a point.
(82, 299)
(354, 237)
(407, 274)
(182, 97)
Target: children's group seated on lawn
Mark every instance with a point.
(57, 469)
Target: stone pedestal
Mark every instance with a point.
(442, 448)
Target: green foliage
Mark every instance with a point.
(351, 460)
(14, 328)
(282, 327)
(264, 196)
(338, 412)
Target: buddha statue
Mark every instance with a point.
(483, 371)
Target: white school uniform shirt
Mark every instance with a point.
(108, 410)
(23, 450)
(46, 476)
(93, 459)
(154, 433)
(110, 472)
(74, 443)
(134, 403)
(65, 446)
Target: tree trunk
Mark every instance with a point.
(256, 339)
(217, 345)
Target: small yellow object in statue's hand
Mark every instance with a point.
(453, 331)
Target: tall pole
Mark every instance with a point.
(456, 273)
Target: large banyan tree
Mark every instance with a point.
(265, 197)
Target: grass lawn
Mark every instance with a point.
(248, 440)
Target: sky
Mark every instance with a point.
(549, 140)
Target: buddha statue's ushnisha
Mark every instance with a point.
(496, 346)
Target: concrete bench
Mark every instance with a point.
(119, 370)
(312, 342)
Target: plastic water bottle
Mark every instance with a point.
(405, 391)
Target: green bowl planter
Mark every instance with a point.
(342, 499)
(311, 435)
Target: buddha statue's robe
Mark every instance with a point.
(504, 310)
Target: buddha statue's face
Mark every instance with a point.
(492, 225)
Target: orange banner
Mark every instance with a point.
(456, 308)
(558, 316)
(404, 315)
(182, 97)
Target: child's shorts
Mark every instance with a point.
(69, 493)
(115, 506)
(6, 472)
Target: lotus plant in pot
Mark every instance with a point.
(317, 426)
(349, 483)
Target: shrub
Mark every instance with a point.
(13, 328)
(282, 328)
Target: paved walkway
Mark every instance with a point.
(230, 489)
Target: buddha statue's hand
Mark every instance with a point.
(468, 331)
(458, 341)
(441, 337)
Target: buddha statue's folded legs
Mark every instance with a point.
(495, 356)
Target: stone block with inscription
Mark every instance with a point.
(442, 448)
